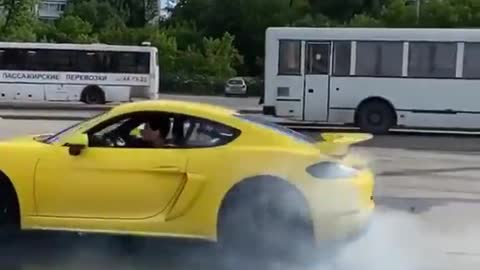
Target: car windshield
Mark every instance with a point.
(55, 137)
(277, 128)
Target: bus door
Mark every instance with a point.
(317, 81)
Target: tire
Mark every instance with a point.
(265, 219)
(9, 215)
(93, 95)
(375, 117)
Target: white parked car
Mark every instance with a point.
(236, 86)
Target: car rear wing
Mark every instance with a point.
(338, 144)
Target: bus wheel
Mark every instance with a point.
(375, 117)
(93, 95)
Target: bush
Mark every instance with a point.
(204, 85)
(191, 84)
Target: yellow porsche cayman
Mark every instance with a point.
(182, 169)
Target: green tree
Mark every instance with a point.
(439, 13)
(20, 21)
(344, 10)
(247, 20)
(468, 12)
(314, 20)
(136, 13)
(100, 15)
(186, 34)
(399, 14)
(220, 57)
(73, 29)
(364, 20)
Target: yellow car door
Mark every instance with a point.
(108, 183)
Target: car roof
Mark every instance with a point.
(175, 106)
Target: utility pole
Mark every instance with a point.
(290, 5)
(418, 4)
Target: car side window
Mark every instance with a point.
(140, 130)
(204, 133)
(161, 130)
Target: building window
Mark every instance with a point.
(51, 9)
(382, 59)
(289, 59)
(341, 58)
(471, 61)
(432, 60)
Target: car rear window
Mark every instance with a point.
(258, 120)
(236, 82)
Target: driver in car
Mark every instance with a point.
(154, 134)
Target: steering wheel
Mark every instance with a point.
(113, 139)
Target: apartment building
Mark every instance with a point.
(51, 9)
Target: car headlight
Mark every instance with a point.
(331, 170)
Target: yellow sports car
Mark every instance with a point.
(190, 170)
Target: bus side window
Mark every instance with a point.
(471, 61)
(15, 59)
(125, 62)
(341, 61)
(61, 60)
(87, 62)
(289, 62)
(143, 62)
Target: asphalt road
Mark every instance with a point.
(232, 102)
(427, 218)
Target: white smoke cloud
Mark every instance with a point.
(395, 241)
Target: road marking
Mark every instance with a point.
(459, 253)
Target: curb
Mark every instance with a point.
(54, 107)
(44, 117)
(76, 107)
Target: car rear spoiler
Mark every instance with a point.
(338, 144)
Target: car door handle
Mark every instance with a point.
(167, 169)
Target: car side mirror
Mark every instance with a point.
(76, 144)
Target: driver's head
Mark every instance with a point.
(156, 129)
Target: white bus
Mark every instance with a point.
(374, 78)
(92, 73)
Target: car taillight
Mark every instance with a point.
(331, 170)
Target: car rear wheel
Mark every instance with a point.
(266, 219)
(9, 214)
